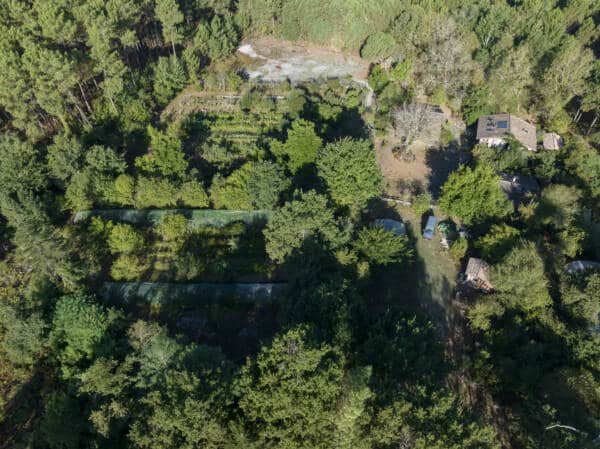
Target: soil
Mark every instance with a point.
(403, 179)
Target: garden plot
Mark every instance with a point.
(240, 131)
(156, 293)
(152, 217)
(272, 60)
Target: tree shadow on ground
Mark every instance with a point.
(442, 162)
(22, 414)
(412, 286)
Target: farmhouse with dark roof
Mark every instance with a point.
(494, 129)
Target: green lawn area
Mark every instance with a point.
(428, 284)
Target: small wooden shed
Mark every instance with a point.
(477, 274)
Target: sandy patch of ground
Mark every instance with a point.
(275, 60)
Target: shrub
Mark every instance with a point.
(497, 242)
(446, 137)
(123, 190)
(421, 204)
(127, 267)
(172, 227)
(438, 96)
(458, 249)
(382, 247)
(153, 192)
(232, 192)
(124, 238)
(192, 194)
(559, 122)
(79, 193)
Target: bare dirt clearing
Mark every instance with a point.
(275, 60)
(403, 178)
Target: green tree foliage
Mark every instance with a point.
(559, 204)
(579, 297)
(439, 423)
(476, 103)
(292, 367)
(232, 192)
(62, 424)
(123, 190)
(20, 166)
(421, 204)
(124, 238)
(166, 155)
(306, 217)
(511, 159)
(382, 247)
(78, 332)
(80, 85)
(53, 79)
(520, 279)
(350, 172)
(155, 192)
(103, 160)
(458, 249)
(300, 147)
(255, 185)
(39, 243)
(23, 337)
(183, 414)
(497, 242)
(216, 39)
(565, 77)
(192, 194)
(169, 79)
(127, 267)
(65, 157)
(583, 163)
(80, 192)
(347, 432)
(266, 183)
(296, 103)
(509, 81)
(172, 227)
(170, 17)
(474, 196)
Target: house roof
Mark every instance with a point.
(517, 186)
(499, 125)
(477, 273)
(552, 141)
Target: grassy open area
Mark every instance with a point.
(428, 284)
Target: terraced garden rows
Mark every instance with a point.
(240, 131)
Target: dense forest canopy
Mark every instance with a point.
(190, 257)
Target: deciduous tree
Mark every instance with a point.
(351, 173)
(306, 217)
(474, 196)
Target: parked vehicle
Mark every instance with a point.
(430, 227)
